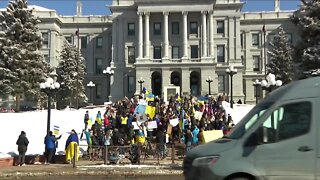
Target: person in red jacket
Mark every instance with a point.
(106, 122)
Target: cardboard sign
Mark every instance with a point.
(212, 135)
(169, 129)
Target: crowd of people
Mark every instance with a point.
(121, 125)
(124, 124)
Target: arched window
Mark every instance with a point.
(175, 78)
(195, 83)
(156, 83)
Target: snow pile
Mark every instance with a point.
(238, 111)
(3, 155)
(35, 125)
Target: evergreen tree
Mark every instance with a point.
(281, 63)
(307, 19)
(22, 64)
(71, 75)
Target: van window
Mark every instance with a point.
(287, 121)
(249, 120)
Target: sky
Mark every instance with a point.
(99, 7)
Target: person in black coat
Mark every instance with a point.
(161, 142)
(22, 143)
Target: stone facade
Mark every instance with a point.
(176, 44)
(168, 42)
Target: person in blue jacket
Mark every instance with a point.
(50, 146)
(195, 132)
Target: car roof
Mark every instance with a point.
(306, 88)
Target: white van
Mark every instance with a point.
(278, 139)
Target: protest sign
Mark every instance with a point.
(174, 122)
(56, 130)
(212, 135)
(141, 118)
(152, 125)
(198, 115)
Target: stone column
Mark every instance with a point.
(166, 74)
(185, 34)
(140, 55)
(231, 40)
(237, 39)
(185, 80)
(165, 35)
(114, 48)
(204, 34)
(147, 33)
(211, 31)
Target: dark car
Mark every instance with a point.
(27, 108)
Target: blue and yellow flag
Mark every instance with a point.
(151, 111)
(201, 100)
(181, 121)
(150, 97)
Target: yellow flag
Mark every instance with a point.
(151, 111)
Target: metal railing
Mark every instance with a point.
(158, 152)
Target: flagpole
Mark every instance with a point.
(77, 89)
(79, 12)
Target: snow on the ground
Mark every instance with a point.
(4, 155)
(35, 125)
(238, 111)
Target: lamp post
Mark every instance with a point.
(90, 85)
(108, 72)
(209, 80)
(231, 71)
(141, 81)
(270, 82)
(49, 87)
(256, 85)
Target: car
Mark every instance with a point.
(278, 139)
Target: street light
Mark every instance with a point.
(90, 86)
(270, 82)
(256, 85)
(141, 81)
(108, 72)
(49, 87)
(231, 71)
(209, 81)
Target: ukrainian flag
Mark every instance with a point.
(181, 121)
(90, 122)
(151, 111)
(201, 101)
(150, 97)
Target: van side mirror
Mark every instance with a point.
(255, 138)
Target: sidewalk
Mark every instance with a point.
(149, 167)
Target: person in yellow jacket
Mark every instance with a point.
(124, 121)
(71, 144)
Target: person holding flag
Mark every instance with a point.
(71, 144)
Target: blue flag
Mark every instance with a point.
(140, 109)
